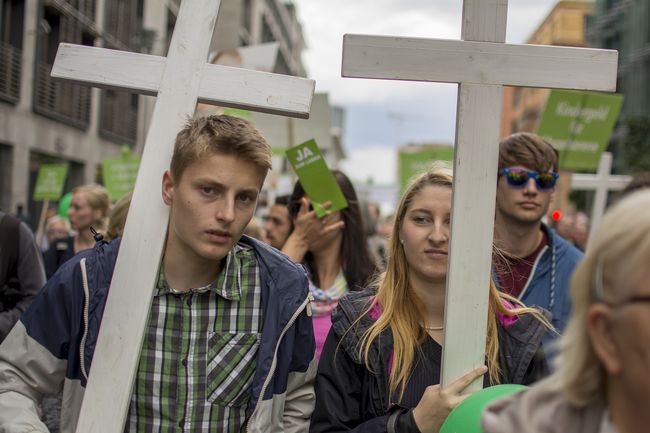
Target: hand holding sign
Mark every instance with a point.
(316, 178)
(308, 228)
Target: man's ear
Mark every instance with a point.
(600, 329)
(167, 188)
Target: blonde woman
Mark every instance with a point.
(88, 208)
(603, 381)
(117, 217)
(380, 366)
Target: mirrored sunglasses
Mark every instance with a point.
(518, 178)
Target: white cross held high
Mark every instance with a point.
(178, 81)
(481, 63)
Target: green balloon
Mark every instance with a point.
(466, 417)
(64, 204)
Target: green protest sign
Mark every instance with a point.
(119, 175)
(415, 160)
(236, 112)
(579, 124)
(316, 178)
(50, 182)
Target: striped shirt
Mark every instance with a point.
(199, 353)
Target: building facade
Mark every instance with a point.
(624, 25)
(564, 25)
(46, 121)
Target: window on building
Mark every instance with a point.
(11, 44)
(63, 101)
(6, 169)
(118, 120)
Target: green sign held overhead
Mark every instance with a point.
(119, 175)
(50, 182)
(236, 112)
(412, 161)
(579, 125)
(316, 178)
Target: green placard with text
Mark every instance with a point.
(119, 175)
(50, 182)
(578, 125)
(414, 161)
(316, 178)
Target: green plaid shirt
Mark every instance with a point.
(199, 353)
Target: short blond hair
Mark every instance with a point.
(616, 260)
(221, 134)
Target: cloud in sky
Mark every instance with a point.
(380, 115)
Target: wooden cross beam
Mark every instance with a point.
(481, 63)
(602, 182)
(178, 81)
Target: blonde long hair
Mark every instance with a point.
(401, 308)
(615, 262)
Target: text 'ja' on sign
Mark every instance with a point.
(50, 182)
(119, 175)
(316, 178)
(579, 125)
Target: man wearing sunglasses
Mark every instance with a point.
(537, 264)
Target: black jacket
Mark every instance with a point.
(352, 398)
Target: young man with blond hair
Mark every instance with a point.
(229, 345)
(537, 264)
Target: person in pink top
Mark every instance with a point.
(334, 250)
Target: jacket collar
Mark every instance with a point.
(228, 284)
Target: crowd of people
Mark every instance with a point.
(333, 324)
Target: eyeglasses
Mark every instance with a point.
(518, 178)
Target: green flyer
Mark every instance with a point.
(50, 182)
(578, 125)
(119, 175)
(316, 178)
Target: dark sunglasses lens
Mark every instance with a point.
(545, 181)
(517, 177)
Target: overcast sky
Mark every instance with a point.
(381, 115)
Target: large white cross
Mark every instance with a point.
(481, 63)
(178, 81)
(602, 182)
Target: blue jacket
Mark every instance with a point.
(44, 352)
(549, 282)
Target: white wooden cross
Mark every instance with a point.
(602, 182)
(481, 63)
(178, 81)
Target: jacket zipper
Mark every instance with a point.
(84, 282)
(305, 305)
